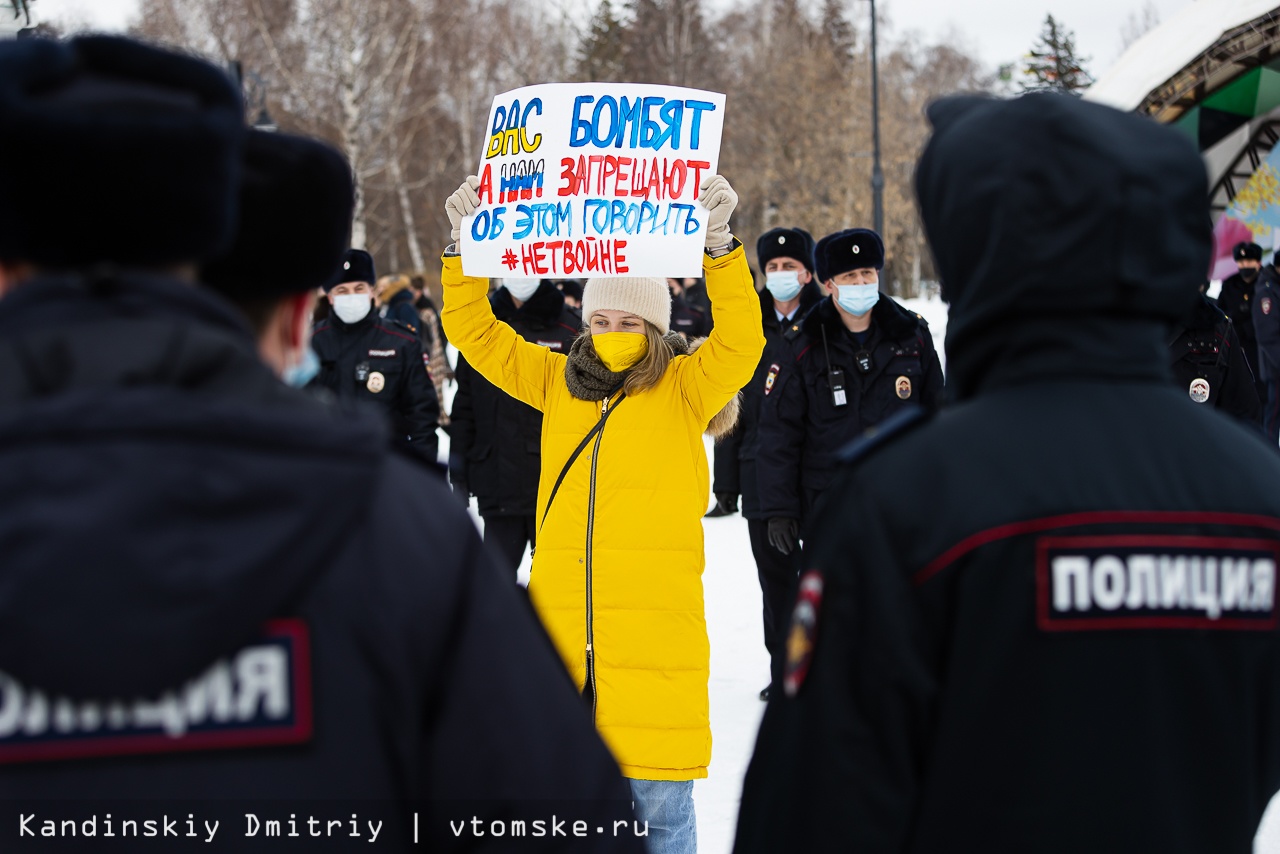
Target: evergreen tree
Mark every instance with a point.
(1053, 65)
(600, 58)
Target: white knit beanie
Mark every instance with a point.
(647, 298)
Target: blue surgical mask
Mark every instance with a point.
(858, 299)
(783, 284)
(304, 371)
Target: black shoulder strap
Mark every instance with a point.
(586, 440)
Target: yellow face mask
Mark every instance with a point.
(620, 350)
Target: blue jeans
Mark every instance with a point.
(667, 807)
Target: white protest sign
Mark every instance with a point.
(594, 179)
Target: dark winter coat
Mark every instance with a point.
(400, 309)
(380, 362)
(687, 320)
(495, 439)
(801, 428)
(735, 457)
(1045, 620)
(696, 296)
(1266, 324)
(1236, 299)
(1209, 364)
(216, 587)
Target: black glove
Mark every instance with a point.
(783, 534)
(726, 505)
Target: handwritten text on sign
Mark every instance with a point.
(594, 179)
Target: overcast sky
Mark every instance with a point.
(998, 31)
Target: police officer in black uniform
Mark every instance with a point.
(856, 359)
(1046, 619)
(221, 595)
(367, 360)
(790, 291)
(496, 441)
(686, 319)
(1266, 327)
(1209, 363)
(1236, 299)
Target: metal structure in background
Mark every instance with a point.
(1237, 175)
(877, 174)
(1235, 52)
(255, 96)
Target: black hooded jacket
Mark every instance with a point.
(400, 309)
(735, 466)
(379, 363)
(496, 441)
(1210, 365)
(801, 428)
(220, 596)
(1044, 620)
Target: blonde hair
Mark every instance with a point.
(648, 372)
(391, 285)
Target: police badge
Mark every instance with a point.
(1199, 390)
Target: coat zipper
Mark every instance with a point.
(591, 522)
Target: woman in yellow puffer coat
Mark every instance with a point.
(617, 575)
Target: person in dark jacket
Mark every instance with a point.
(397, 304)
(687, 320)
(369, 361)
(790, 291)
(496, 441)
(433, 341)
(857, 358)
(1236, 299)
(220, 595)
(1044, 620)
(1209, 363)
(694, 290)
(572, 290)
(1266, 327)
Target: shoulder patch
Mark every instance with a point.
(771, 378)
(882, 434)
(802, 634)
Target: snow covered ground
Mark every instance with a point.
(740, 666)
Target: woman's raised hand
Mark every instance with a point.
(719, 199)
(464, 202)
